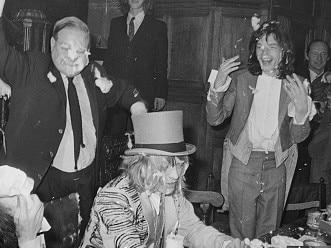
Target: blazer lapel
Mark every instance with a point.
(88, 78)
(58, 84)
(284, 101)
(249, 87)
(143, 28)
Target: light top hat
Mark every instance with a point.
(160, 133)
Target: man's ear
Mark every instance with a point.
(306, 56)
(52, 43)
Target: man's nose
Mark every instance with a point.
(266, 51)
(173, 173)
(72, 54)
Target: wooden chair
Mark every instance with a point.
(204, 203)
(305, 196)
(302, 197)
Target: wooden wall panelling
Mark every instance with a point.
(232, 31)
(323, 20)
(189, 47)
(298, 16)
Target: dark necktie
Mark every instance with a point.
(76, 119)
(131, 28)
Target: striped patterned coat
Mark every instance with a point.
(117, 220)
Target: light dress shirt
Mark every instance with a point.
(137, 21)
(263, 118)
(313, 75)
(64, 159)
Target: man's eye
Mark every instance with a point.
(65, 48)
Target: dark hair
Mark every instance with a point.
(8, 236)
(286, 65)
(71, 22)
(147, 6)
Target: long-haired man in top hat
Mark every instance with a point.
(145, 206)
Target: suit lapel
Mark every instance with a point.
(249, 87)
(284, 101)
(143, 28)
(58, 84)
(88, 78)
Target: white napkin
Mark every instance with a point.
(15, 182)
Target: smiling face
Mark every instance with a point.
(317, 57)
(269, 54)
(69, 51)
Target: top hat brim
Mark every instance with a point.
(148, 151)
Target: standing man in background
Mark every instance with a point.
(319, 142)
(138, 52)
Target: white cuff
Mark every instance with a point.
(138, 108)
(310, 114)
(211, 81)
(38, 242)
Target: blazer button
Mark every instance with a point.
(40, 176)
(135, 59)
(60, 131)
(51, 154)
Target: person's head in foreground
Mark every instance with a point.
(21, 213)
(159, 159)
(70, 46)
(271, 51)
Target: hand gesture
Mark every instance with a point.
(102, 82)
(5, 90)
(298, 94)
(225, 69)
(159, 104)
(28, 220)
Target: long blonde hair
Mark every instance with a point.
(147, 172)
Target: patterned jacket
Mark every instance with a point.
(118, 220)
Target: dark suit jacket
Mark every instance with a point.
(143, 61)
(38, 107)
(318, 92)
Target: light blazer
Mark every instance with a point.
(144, 60)
(119, 219)
(37, 116)
(237, 100)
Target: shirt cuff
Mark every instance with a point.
(138, 108)
(34, 243)
(223, 88)
(310, 114)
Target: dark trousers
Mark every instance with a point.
(58, 183)
(256, 195)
